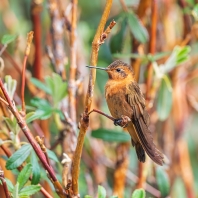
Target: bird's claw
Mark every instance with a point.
(123, 121)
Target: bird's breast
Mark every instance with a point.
(115, 94)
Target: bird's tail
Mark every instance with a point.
(140, 152)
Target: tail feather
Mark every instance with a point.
(140, 152)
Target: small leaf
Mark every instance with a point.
(101, 192)
(164, 100)
(29, 190)
(114, 196)
(41, 85)
(13, 125)
(10, 85)
(16, 191)
(19, 157)
(29, 116)
(36, 171)
(57, 87)
(40, 114)
(24, 175)
(139, 193)
(52, 155)
(110, 135)
(9, 185)
(87, 196)
(40, 103)
(8, 38)
(162, 181)
(138, 30)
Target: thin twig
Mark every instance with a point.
(7, 194)
(3, 101)
(27, 52)
(89, 97)
(124, 7)
(102, 113)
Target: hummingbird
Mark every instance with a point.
(125, 99)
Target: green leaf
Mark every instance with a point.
(178, 56)
(40, 103)
(10, 85)
(139, 193)
(41, 85)
(137, 29)
(110, 135)
(87, 196)
(8, 38)
(164, 100)
(12, 123)
(44, 110)
(9, 185)
(29, 116)
(163, 181)
(114, 196)
(57, 87)
(52, 155)
(24, 175)
(117, 40)
(29, 190)
(36, 171)
(101, 192)
(16, 191)
(19, 157)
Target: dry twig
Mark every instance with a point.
(27, 52)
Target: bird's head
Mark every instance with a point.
(117, 70)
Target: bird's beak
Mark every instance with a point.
(101, 68)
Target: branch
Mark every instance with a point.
(89, 97)
(72, 72)
(27, 52)
(36, 10)
(152, 46)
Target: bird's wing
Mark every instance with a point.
(140, 121)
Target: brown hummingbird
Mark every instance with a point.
(125, 99)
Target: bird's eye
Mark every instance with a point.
(118, 70)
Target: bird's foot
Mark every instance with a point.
(123, 121)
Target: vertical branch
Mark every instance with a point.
(97, 41)
(36, 19)
(152, 46)
(57, 31)
(72, 72)
(27, 51)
